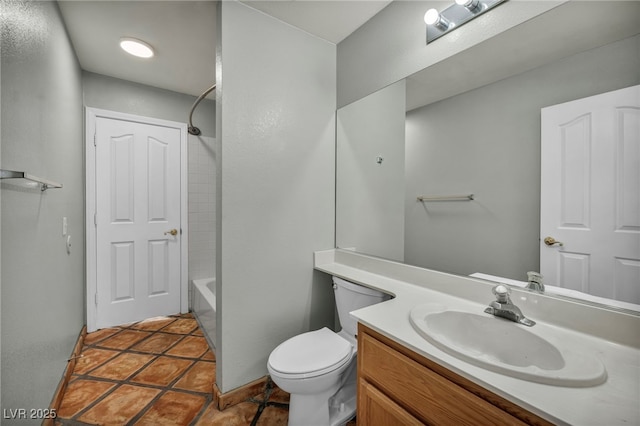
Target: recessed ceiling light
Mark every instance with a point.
(136, 47)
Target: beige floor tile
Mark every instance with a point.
(153, 324)
(199, 378)
(124, 339)
(122, 367)
(172, 409)
(80, 394)
(273, 416)
(190, 347)
(181, 326)
(162, 371)
(125, 373)
(92, 358)
(238, 415)
(157, 343)
(96, 336)
(120, 406)
(209, 356)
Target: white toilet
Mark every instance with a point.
(318, 368)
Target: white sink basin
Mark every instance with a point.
(505, 347)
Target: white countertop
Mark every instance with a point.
(613, 337)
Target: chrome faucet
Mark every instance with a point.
(503, 307)
(535, 282)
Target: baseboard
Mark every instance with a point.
(236, 396)
(64, 381)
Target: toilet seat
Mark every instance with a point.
(310, 354)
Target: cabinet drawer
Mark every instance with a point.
(375, 408)
(422, 392)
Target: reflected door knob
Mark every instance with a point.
(173, 232)
(551, 241)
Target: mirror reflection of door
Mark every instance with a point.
(590, 195)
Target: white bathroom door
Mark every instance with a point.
(590, 195)
(137, 221)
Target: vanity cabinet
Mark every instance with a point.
(397, 386)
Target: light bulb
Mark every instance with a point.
(433, 17)
(136, 47)
(469, 4)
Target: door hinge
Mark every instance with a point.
(95, 137)
(95, 219)
(96, 298)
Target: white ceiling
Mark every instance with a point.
(332, 20)
(183, 34)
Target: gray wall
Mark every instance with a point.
(132, 98)
(391, 45)
(2, 24)
(276, 197)
(370, 196)
(496, 156)
(42, 285)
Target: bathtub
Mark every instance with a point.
(204, 307)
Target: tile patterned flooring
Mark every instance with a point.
(156, 372)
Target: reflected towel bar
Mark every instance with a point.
(446, 198)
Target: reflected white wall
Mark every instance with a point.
(370, 193)
(494, 153)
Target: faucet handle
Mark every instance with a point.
(502, 293)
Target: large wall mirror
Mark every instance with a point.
(423, 137)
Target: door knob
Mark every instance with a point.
(173, 232)
(551, 241)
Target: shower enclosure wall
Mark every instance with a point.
(202, 225)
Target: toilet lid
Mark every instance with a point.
(312, 352)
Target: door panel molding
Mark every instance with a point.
(590, 194)
(91, 117)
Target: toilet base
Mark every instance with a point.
(317, 410)
(342, 408)
(333, 407)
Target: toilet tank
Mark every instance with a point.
(349, 297)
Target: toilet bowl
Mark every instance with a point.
(318, 368)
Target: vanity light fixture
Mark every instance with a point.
(454, 16)
(136, 47)
(471, 5)
(433, 17)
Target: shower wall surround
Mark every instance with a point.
(202, 208)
